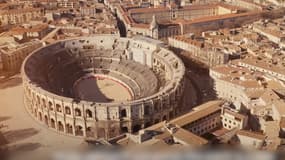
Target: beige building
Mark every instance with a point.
(231, 83)
(199, 50)
(17, 16)
(251, 140)
(232, 119)
(170, 20)
(247, 4)
(185, 130)
(177, 19)
(12, 57)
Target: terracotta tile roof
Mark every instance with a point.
(251, 134)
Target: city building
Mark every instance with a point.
(185, 130)
(199, 50)
(13, 56)
(18, 16)
(251, 140)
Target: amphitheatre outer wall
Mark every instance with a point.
(75, 117)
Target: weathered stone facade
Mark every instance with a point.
(50, 99)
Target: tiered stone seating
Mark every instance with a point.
(68, 67)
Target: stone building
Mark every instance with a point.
(13, 57)
(232, 119)
(18, 16)
(199, 50)
(153, 76)
(176, 20)
(185, 130)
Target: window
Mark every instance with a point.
(77, 112)
(123, 113)
(67, 110)
(89, 113)
(58, 108)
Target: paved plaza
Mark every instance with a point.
(21, 131)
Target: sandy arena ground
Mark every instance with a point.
(102, 90)
(22, 132)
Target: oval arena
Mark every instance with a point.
(102, 86)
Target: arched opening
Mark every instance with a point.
(88, 113)
(69, 128)
(146, 110)
(40, 116)
(78, 130)
(50, 105)
(44, 103)
(136, 128)
(46, 120)
(164, 118)
(52, 123)
(67, 110)
(123, 113)
(77, 112)
(156, 121)
(38, 99)
(89, 132)
(60, 126)
(58, 108)
(124, 130)
(148, 124)
(101, 133)
(35, 112)
(171, 115)
(29, 92)
(156, 108)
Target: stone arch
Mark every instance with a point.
(46, 120)
(69, 128)
(67, 110)
(52, 123)
(89, 113)
(89, 132)
(35, 111)
(58, 108)
(146, 110)
(123, 113)
(147, 124)
(164, 118)
(136, 128)
(171, 115)
(78, 112)
(29, 91)
(156, 121)
(156, 108)
(34, 96)
(60, 126)
(78, 130)
(44, 102)
(101, 132)
(50, 105)
(40, 116)
(124, 129)
(38, 99)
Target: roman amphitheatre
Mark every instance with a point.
(102, 86)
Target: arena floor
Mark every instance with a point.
(101, 89)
